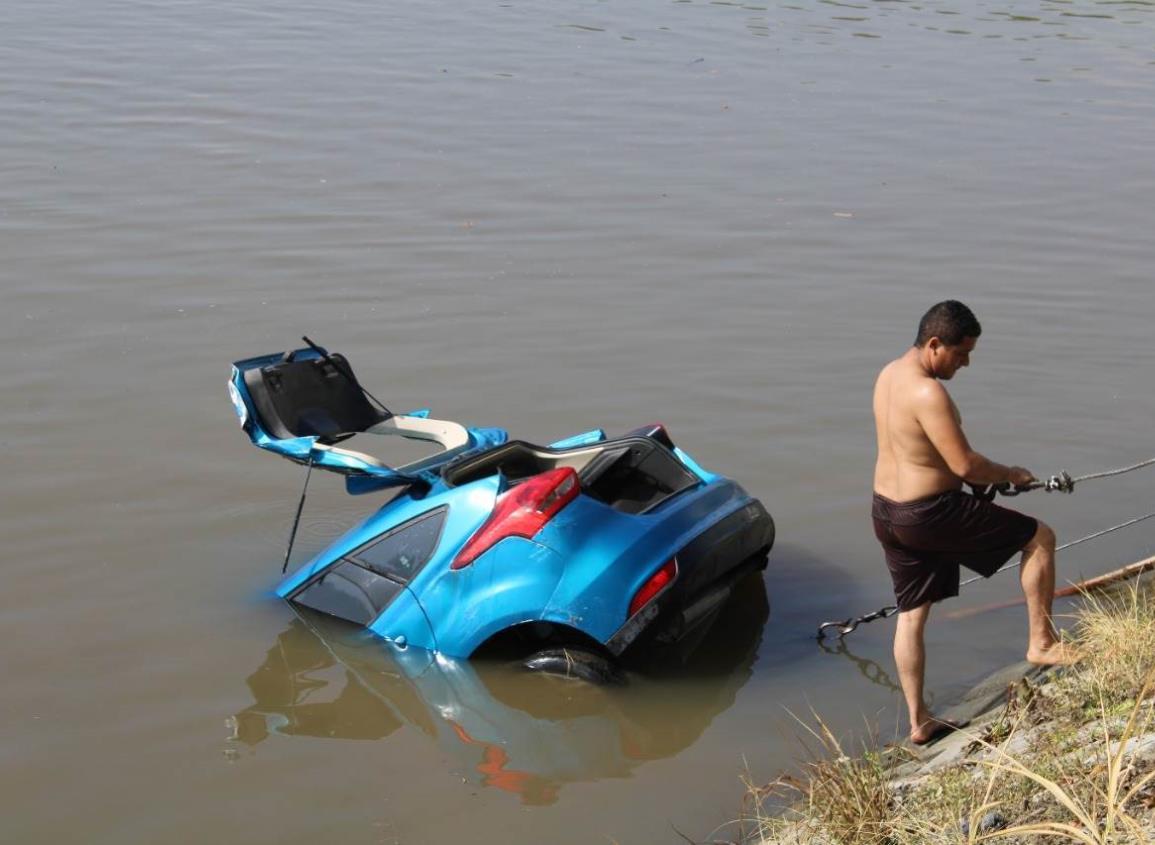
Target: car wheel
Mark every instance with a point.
(575, 663)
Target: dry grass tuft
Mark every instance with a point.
(845, 799)
(1117, 634)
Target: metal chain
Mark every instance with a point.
(847, 626)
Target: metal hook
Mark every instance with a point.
(846, 626)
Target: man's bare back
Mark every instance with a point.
(908, 466)
(922, 450)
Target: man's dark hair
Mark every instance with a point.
(950, 321)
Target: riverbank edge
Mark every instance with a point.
(985, 708)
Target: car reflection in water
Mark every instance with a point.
(521, 732)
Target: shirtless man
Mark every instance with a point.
(926, 523)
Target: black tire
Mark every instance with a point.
(576, 663)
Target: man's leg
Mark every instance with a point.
(910, 657)
(1038, 580)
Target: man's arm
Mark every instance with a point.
(935, 413)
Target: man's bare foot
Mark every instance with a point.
(1056, 654)
(935, 728)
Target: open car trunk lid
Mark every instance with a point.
(300, 404)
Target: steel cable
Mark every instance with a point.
(1063, 482)
(1065, 546)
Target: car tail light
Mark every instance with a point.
(522, 511)
(658, 582)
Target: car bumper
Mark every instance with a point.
(708, 569)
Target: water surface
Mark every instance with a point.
(547, 217)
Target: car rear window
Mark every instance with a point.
(349, 591)
(402, 552)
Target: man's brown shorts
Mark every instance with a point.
(926, 540)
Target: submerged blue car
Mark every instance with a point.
(571, 557)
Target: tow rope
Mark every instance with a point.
(1062, 483)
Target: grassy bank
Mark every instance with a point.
(1068, 757)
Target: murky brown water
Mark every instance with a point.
(546, 218)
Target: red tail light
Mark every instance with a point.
(658, 582)
(522, 511)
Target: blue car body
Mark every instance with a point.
(591, 542)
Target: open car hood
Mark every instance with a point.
(302, 404)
